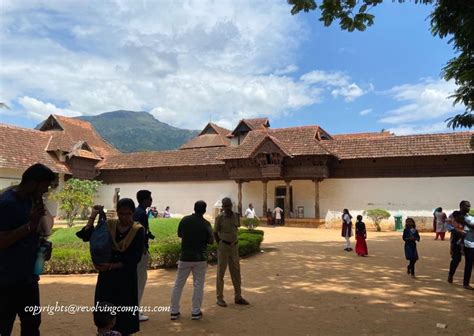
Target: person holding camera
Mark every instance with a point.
(21, 209)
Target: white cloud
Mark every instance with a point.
(286, 70)
(424, 101)
(338, 82)
(336, 78)
(416, 129)
(350, 92)
(365, 112)
(181, 60)
(39, 110)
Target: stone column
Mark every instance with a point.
(317, 214)
(287, 199)
(265, 205)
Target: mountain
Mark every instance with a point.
(130, 131)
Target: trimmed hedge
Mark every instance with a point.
(71, 255)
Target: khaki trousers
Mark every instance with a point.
(228, 255)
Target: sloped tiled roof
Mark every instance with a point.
(175, 158)
(252, 124)
(75, 130)
(398, 146)
(368, 135)
(217, 139)
(257, 123)
(293, 140)
(22, 147)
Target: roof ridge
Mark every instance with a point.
(21, 128)
(405, 136)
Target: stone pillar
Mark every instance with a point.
(265, 205)
(317, 213)
(287, 199)
(239, 195)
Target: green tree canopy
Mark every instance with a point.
(377, 215)
(75, 196)
(453, 18)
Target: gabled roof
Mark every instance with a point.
(398, 146)
(83, 150)
(175, 158)
(211, 136)
(293, 140)
(71, 131)
(367, 135)
(251, 125)
(22, 147)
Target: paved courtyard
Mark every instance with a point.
(303, 283)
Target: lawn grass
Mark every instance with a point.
(71, 255)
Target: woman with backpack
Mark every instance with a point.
(117, 280)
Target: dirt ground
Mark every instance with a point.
(303, 283)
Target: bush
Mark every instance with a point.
(377, 215)
(258, 232)
(250, 223)
(72, 256)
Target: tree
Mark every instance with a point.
(454, 18)
(75, 196)
(377, 215)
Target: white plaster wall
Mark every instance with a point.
(404, 196)
(180, 196)
(9, 177)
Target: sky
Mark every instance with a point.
(191, 62)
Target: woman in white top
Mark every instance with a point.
(347, 228)
(441, 219)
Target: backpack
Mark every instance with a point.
(101, 242)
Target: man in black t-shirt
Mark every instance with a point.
(21, 208)
(195, 233)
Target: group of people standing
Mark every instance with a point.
(122, 281)
(360, 234)
(460, 224)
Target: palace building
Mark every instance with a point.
(306, 171)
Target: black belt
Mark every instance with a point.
(228, 243)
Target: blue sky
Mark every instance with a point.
(194, 61)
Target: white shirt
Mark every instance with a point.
(278, 212)
(250, 213)
(469, 239)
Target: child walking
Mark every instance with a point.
(104, 319)
(411, 236)
(347, 229)
(361, 236)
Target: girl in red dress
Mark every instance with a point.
(361, 236)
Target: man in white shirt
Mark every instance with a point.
(250, 213)
(277, 211)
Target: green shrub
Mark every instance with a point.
(258, 232)
(377, 215)
(72, 256)
(250, 223)
(471, 212)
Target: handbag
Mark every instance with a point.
(101, 242)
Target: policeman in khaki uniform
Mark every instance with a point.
(225, 231)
